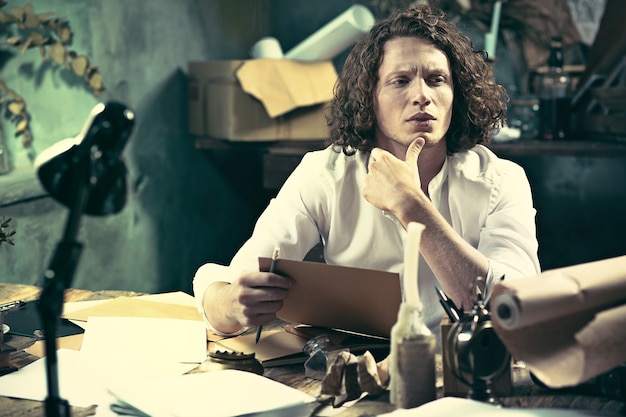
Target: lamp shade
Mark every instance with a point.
(91, 161)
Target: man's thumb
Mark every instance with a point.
(413, 151)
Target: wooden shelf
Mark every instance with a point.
(574, 147)
(279, 158)
(289, 147)
(530, 147)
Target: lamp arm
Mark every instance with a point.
(56, 279)
(88, 177)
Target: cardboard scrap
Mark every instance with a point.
(283, 85)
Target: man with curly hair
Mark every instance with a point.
(412, 107)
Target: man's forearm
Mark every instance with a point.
(454, 262)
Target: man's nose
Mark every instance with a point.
(420, 93)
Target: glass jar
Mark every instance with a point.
(319, 348)
(523, 114)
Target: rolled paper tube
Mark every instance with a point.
(335, 36)
(559, 293)
(267, 47)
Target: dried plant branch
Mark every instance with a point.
(5, 232)
(52, 36)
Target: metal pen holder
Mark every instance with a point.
(474, 354)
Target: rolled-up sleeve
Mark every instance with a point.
(491, 206)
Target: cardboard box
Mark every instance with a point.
(260, 100)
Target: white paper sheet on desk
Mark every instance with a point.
(120, 341)
(452, 406)
(79, 381)
(216, 394)
(566, 323)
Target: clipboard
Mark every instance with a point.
(26, 321)
(359, 300)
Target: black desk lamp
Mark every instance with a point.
(88, 175)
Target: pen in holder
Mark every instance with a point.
(475, 354)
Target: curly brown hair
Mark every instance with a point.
(479, 103)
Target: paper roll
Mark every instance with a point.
(559, 293)
(565, 323)
(267, 47)
(335, 36)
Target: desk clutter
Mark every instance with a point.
(143, 355)
(115, 343)
(5, 351)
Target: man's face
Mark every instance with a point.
(414, 95)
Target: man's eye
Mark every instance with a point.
(437, 80)
(400, 81)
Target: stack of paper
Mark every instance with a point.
(218, 394)
(116, 348)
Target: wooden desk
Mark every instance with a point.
(525, 393)
(13, 407)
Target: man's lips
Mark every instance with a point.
(422, 121)
(421, 117)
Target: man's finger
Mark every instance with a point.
(413, 151)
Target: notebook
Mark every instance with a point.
(27, 322)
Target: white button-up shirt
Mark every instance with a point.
(487, 200)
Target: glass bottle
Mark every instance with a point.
(412, 365)
(554, 96)
(412, 353)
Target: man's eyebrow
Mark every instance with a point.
(415, 68)
(401, 71)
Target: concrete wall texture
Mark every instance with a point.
(186, 207)
(182, 210)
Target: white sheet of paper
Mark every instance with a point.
(145, 339)
(217, 394)
(166, 339)
(176, 297)
(79, 381)
(124, 348)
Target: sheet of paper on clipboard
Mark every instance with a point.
(359, 300)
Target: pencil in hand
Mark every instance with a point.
(272, 268)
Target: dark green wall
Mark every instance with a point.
(186, 206)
